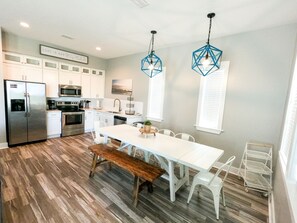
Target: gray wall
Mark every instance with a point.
(22, 45)
(2, 111)
(259, 75)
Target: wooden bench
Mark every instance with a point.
(144, 173)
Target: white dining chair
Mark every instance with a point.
(166, 132)
(97, 138)
(185, 136)
(213, 182)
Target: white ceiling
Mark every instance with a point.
(121, 28)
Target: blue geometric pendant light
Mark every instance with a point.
(151, 65)
(207, 59)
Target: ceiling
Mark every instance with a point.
(122, 28)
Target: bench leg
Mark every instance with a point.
(95, 157)
(135, 191)
(150, 187)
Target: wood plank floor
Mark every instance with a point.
(49, 182)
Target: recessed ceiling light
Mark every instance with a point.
(24, 24)
(98, 48)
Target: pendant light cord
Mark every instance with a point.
(151, 46)
(209, 31)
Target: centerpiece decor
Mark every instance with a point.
(147, 126)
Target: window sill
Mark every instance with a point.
(213, 131)
(154, 119)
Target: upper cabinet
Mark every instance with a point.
(69, 74)
(22, 67)
(52, 73)
(86, 82)
(97, 83)
(51, 77)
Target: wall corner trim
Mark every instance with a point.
(271, 209)
(3, 145)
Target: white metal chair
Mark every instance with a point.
(166, 132)
(185, 136)
(96, 133)
(213, 182)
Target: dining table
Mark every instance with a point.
(168, 150)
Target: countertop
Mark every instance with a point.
(122, 113)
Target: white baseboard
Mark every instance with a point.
(3, 145)
(271, 210)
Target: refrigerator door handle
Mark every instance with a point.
(28, 105)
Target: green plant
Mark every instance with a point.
(147, 122)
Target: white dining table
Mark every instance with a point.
(168, 150)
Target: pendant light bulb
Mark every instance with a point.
(206, 61)
(151, 66)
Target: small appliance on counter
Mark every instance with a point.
(51, 104)
(84, 104)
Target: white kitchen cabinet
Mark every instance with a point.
(53, 119)
(22, 67)
(89, 120)
(132, 119)
(97, 83)
(69, 74)
(85, 85)
(106, 119)
(51, 77)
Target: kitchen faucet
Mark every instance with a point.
(120, 109)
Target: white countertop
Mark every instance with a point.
(122, 113)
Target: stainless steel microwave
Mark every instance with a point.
(69, 90)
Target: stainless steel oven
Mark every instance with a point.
(73, 123)
(73, 119)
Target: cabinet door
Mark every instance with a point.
(13, 72)
(85, 85)
(12, 58)
(53, 124)
(97, 85)
(69, 78)
(89, 121)
(51, 79)
(32, 74)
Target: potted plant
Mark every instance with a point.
(147, 126)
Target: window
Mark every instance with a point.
(288, 150)
(211, 100)
(156, 97)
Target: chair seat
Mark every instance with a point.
(99, 140)
(204, 178)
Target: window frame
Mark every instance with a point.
(203, 84)
(161, 94)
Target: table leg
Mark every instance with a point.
(171, 180)
(105, 139)
(187, 175)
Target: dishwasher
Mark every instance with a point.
(118, 120)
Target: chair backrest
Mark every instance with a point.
(97, 126)
(185, 136)
(166, 132)
(226, 166)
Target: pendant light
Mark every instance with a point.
(207, 59)
(151, 65)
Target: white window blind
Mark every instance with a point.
(156, 97)
(288, 150)
(211, 100)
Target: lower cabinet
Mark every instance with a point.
(89, 120)
(53, 119)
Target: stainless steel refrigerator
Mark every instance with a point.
(25, 112)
